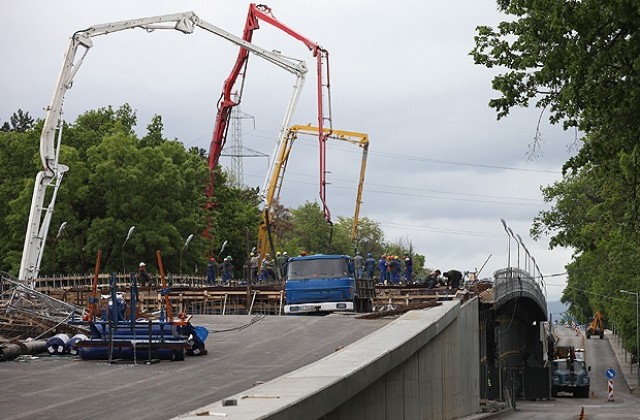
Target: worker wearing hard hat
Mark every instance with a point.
(358, 264)
(408, 268)
(369, 266)
(212, 271)
(254, 263)
(143, 277)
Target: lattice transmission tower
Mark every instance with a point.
(236, 150)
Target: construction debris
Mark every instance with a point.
(26, 313)
(9, 351)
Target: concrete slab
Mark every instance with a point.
(371, 357)
(243, 350)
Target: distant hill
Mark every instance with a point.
(556, 307)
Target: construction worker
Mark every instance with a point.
(212, 271)
(143, 277)
(369, 265)
(254, 262)
(266, 268)
(358, 264)
(408, 268)
(382, 267)
(227, 270)
(453, 278)
(433, 279)
(394, 269)
(281, 260)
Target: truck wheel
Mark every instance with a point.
(588, 336)
(368, 305)
(601, 336)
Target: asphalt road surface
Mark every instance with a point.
(243, 350)
(600, 356)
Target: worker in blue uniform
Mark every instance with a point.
(369, 266)
(382, 266)
(408, 268)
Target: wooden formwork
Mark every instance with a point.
(237, 300)
(193, 301)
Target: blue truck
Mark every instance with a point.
(325, 283)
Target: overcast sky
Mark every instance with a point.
(442, 171)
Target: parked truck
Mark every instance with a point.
(596, 327)
(325, 283)
(570, 372)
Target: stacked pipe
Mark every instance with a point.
(10, 351)
(57, 345)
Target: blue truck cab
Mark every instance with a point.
(324, 283)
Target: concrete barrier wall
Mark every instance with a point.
(424, 365)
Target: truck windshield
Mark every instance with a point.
(318, 268)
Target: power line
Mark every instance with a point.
(434, 196)
(442, 230)
(442, 161)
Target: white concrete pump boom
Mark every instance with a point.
(39, 217)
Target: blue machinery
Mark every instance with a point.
(118, 335)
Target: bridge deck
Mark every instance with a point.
(243, 351)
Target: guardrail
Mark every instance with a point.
(512, 282)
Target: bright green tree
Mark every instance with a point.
(578, 62)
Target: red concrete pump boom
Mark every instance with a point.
(226, 103)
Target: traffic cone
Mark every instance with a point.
(581, 415)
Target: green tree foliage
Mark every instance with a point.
(311, 232)
(154, 132)
(20, 122)
(17, 162)
(117, 181)
(579, 61)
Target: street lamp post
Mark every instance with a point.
(183, 248)
(517, 243)
(637, 295)
(131, 229)
(506, 229)
(526, 252)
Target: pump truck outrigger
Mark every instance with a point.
(52, 172)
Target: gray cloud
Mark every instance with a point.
(440, 171)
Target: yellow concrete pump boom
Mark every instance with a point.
(273, 183)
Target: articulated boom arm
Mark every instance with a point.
(273, 183)
(323, 85)
(256, 14)
(39, 217)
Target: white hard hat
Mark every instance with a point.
(141, 264)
